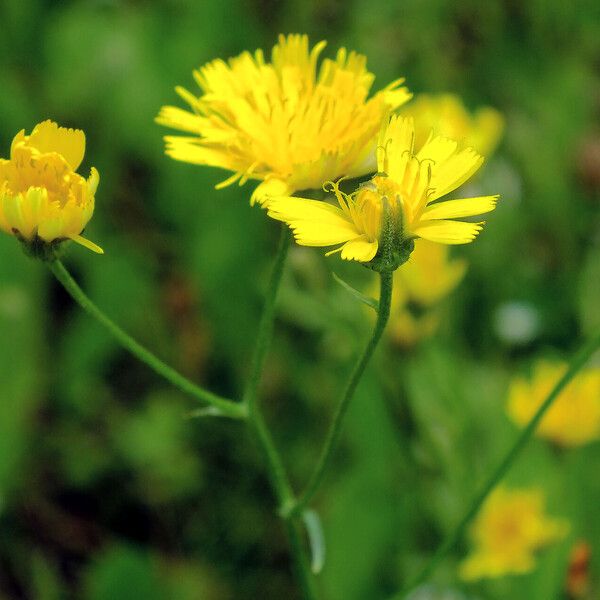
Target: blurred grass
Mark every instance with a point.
(106, 490)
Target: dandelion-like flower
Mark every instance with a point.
(573, 419)
(408, 188)
(510, 528)
(285, 122)
(446, 115)
(420, 285)
(43, 201)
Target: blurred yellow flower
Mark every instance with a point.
(509, 529)
(42, 199)
(419, 287)
(284, 122)
(574, 418)
(408, 182)
(446, 115)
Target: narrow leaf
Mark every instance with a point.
(206, 411)
(370, 302)
(316, 540)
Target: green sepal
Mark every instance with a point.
(41, 249)
(394, 249)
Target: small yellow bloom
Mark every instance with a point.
(574, 418)
(42, 198)
(409, 182)
(446, 115)
(283, 122)
(509, 529)
(419, 286)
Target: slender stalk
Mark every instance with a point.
(275, 467)
(265, 326)
(453, 538)
(333, 435)
(224, 406)
(284, 494)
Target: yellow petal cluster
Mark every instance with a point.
(42, 198)
(419, 287)
(290, 123)
(573, 419)
(510, 528)
(446, 115)
(410, 181)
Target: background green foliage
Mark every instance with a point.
(107, 490)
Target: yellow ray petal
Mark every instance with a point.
(182, 149)
(360, 249)
(271, 188)
(52, 228)
(177, 118)
(13, 213)
(32, 207)
(450, 174)
(396, 97)
(467, 207)
(448, 232)
(437, 149)
(310, 233)
(314, 223)
(395, 145)
(93, 181)
(286, 208)
(49, 137)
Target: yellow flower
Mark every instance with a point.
(42, 199)
(419, 287)
(446, 115)
(280, 122)
(574, 418)
(408, 182)
(509, 529)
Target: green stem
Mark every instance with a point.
(453, 538)
(333, 435)
(275, 467)
(284, 494)
(265, 326)
(224, 406)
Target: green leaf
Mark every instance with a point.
(206, 411)
(370, 302)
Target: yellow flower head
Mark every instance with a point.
(42, 199)
(419, 287)
(283, 122)
(407, 187)
(574, 418)
(509, 529)
(446, 115)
